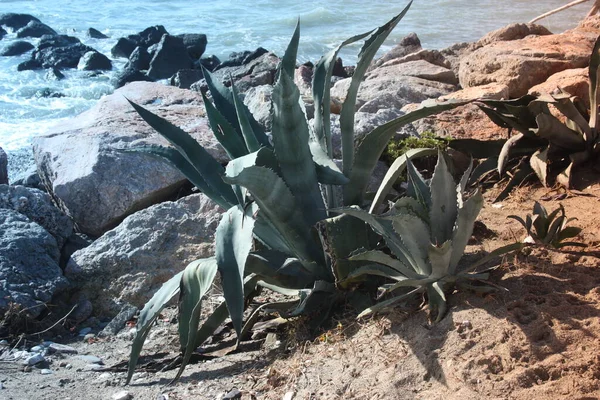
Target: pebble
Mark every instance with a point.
(85, 331)
(90, 359)
(46, 371)
(92, 367)
(61, 349)
(233, 394)
(89, 336)
(288, 396)
(124, 395)
(4, 343)
(36, 359)
(37, 349)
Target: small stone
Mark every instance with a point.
(288, 396)
(90, 359)
(27, 368)
(124, 395)
(63, 364)
(61, 349)
(33, 360)
(46, 371)
(37, 349)
(85, 331)
(233, 394)
(89, 336)
(68, 366)
(92, 367)
(4, 343)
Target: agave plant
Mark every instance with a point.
(548, 229)
(272, 191)
(427, 232)
(553, 146)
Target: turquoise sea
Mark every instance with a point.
(232, 26)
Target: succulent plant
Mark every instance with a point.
(548, 229)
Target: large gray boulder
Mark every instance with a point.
(83, 165)
(129, 263)
(37, 206)
(171, 56)
(3, 167)
(16, 21)
(35, 29)
(29, 271)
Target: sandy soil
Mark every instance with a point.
(538, 338)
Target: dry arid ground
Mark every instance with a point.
(539, 337)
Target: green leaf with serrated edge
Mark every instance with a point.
(261, 158)
(223, 99)
(391, 176)
(224, 132)
(288, 62)
(338, 244)
(439, 258)
(417, 187)
(183, 165)
(463, 230)
(232, 246)
(279, 207)
(409, 205)
(327, 171)
(372, 145)
(245, 126)
(280, 289)
(437, 301)
(594, 70)
(464, 181)
(321, 86)
(210, 169)
(279, 269)
(557, 133)
(365, 56)
(148, 315)
(291, 143)
(444, 206)
(196, 281)
(382, 258)
(384, 228)
(416, 237)
(268, 235)
(496, 253)
(384, 305)
(372, 269)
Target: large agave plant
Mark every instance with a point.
(272, 191)
(426, 232)
(553, 146)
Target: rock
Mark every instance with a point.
(139, 59)
(90, 359)
(258, 101)
(95, 34)
(35, 29)
(54, 74)
(85, 331)
(184, 78)
(81, 163)
(118, 322)
(59, 52)
(37, 206)
(418, 68)
(303, 79)
(338, 69)
(61, 349)
(123, 395)
(3, 167)
(434, 57)
(233, 394)
(16, 21)
(171, 56)
(496, 91)
(267, 62)
(17, 48)
(46, 371)
(2, 32)
(29, 271)
(129, 75)
(366, 122)
(57, 41)
(48, 93)
(94, 61)
(123, 48)
(523, 63)
(513, 32)
(33, 360)
(210, 63)
(30, 178)
(29, 65)
(129, 263)
(409, 44)
(573, 81)
(237, 59)
(195, 43)
(151, 35)
(259, 79)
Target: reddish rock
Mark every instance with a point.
(572, 81)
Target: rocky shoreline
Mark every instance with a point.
(96, 229)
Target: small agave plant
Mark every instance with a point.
(549, 229)
(426, 232)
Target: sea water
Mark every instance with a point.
(230, 25)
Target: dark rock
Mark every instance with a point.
(16, 21)
(184, 78)
(3, 167)
(17, 48)
(48, 41)
(151, 35)
(338, 69)
(131, 75)
(118, 322)
(210, 63)
(29, 65)
(123, 48)
(266, 62)
(75, 242)
(96, 34)
(30, 178)
(29, 269)
(139, 59)
(61, 57)
(61, 349)
(35, 29)
(237, 59)
(409, 44)
(54, 74)
(254, 80)
(170, 57)
(37, 206)
(233, 394)
(2, 32)
(195, 44)
(94, 61)
(48, 93)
